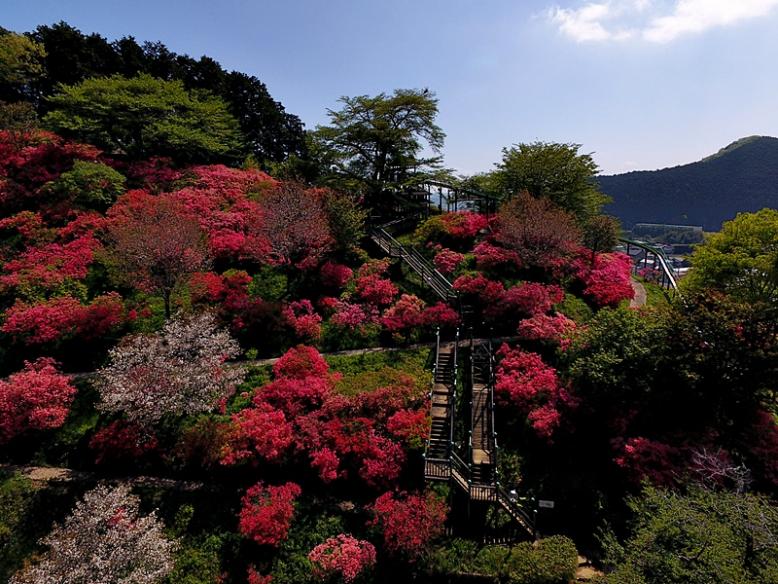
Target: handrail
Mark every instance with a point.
(453, 404)
(664, 263)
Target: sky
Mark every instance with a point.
(640, 84)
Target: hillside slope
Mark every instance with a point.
(740, 177)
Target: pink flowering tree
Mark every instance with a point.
(36, 398)
(178, 371)
(267, 512)
(342, 556)
(105, 539)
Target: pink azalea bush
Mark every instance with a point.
(447, 260)
(343, 555)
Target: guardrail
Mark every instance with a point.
(661, 263)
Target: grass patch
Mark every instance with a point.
(655, 294)
(371, 371)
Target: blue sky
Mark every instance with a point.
(640, 83)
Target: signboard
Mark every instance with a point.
(544, 504)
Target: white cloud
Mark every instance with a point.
(652, 20)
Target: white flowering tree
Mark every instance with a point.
(180, 370)
(104, 541)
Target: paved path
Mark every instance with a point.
(640, 294)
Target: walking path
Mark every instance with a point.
(640, 294)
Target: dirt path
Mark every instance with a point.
(45, 474)
(640, 294)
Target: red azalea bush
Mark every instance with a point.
(447, 261)
(254, 577)
(335, 275)
(607, 282)
(440, 314)
(303, 319)
(411, 426)
(36, 398)
(464, 224)
(30, 160)
(532, 298)
(122, 441)
(372, 287)
(409, 522)
(353, 316)
(492, 257)
(344, 556)
(63, 318)
(261, 431)
(482, 289)
(267, 512)
(48, 266)
(524, 381)
(542, 327)
(326, 462)
(662, 464)
(405, 314)
(301, 362)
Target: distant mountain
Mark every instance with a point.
(741, 177)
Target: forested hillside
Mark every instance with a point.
(741, 177)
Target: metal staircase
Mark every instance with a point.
(473, 469)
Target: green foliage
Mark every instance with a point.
(699, 537)
(291, 565)
(335, 338)
(550, 561)
(375, 141)
(143, 116)
(17, 495)
(21, 62)
(554, 171)
(269, 284)
(614, 356)
(370, 371)
(575, 308)
(601, 233)
(198, 561)
(92, 185)
(19, 116)
(741, 260)
(347, 220)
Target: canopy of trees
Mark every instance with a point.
(742, 259)
(375, 142)
(144, 116)
(61, 54)
(554, 171)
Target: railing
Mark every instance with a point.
(428, 273)
(455, 381)
(450, 197)
(517, 512)
(667, 278)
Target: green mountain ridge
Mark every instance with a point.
(742, 176)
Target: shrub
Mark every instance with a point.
(300, 362)
(607, 280)
(267, 512)
(36, 398)
(122, 441)
(258, 431)
(303, 319)
(343, 555)
(409, 522)
(447, 261)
